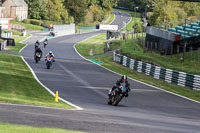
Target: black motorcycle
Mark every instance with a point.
(37, 57)
(117, 95)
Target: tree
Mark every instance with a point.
(191, 8)
(37, 9)
(77, 8)
(53, 10)
(163, 12)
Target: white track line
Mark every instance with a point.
(35, 106)
(129, 77)
(23, 43)
(53, 94)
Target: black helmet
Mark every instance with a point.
(124, 78)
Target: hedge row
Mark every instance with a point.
(33, 21)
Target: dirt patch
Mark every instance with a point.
(91, 52)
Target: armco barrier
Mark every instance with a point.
(171, 76)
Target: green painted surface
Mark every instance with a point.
(98, 62)
(47, 37)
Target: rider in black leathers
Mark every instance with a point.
(118, 84)
(37, 44)
(38, 50)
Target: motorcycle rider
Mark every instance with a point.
(118, 84)
(45, 42)
(38, 50)
(37, 44)
(51, 55)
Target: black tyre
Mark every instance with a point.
(48, 66)
(109, 101)
(117, 100)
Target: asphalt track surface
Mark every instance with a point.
(85, 84)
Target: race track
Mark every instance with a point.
(85, 84)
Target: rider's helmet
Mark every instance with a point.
(50, 52)
(124, 78)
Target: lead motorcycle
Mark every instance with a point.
(117, 95)
(49, 61)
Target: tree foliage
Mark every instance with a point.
(164, 11)
(68, 11)
(52, 10)
(77, 8)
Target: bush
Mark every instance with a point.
(27, 21)
(36, 22)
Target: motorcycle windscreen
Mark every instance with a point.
(123, 87)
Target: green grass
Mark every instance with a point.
(13, 128)
(47, 22)
(127, 46)
(17, 84)
(112, 16)
(18, 46)
(14, 32)
(95, 44)
(170, 62)
(28, 26)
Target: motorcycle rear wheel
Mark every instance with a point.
(117, 100)
(109, 101)
(48, 66)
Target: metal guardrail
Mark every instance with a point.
(171, 76)
(4, 44)
(6, 35)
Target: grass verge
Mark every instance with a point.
(108, 63)
(13, 128)
(170, 62)
(17, 84)
(18, 46)
(28, 26)
(112, 16)
(92, 46)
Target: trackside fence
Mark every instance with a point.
(171, 76)
(4, 43)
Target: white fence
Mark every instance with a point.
(61, 30)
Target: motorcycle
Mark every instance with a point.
(49, 61)
(117, 95)
(37, 57)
